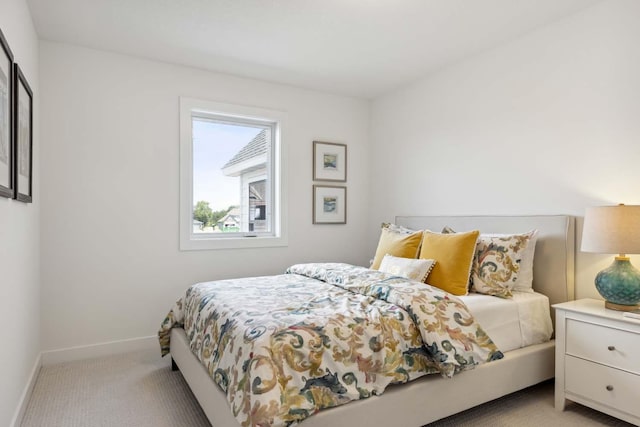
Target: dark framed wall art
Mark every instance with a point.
(329, 204)
(6, 119)
(23, 136)
(329, 161)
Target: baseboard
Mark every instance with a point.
(70, 354)
(26, 394)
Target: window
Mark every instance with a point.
(230, 176)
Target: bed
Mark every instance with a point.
(432, 397)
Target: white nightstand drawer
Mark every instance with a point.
(609, 346)
(607, 386)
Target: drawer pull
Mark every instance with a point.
(610, 388)
(611, 348)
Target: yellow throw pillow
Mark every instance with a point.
(454, 256)
(398, 242)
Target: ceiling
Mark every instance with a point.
(360, 48)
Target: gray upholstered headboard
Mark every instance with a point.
(553, 268)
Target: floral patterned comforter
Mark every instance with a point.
(284, 347)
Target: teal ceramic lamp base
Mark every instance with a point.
(619, 285)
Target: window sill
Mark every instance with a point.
(231, 243)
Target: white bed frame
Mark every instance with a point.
(432, 397)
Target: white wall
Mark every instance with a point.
(547, 124)
(111, 266)
(19, 237)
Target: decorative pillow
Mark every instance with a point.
(497, 263)
(524, 281)
(448, 230)
(453, 254)
(414, 269)
(397, 241)
(525, 276)
(397, 228)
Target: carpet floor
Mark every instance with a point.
(140, 390)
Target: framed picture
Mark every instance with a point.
(329, 161)
(23, 136)
(329, 204)
(6, 122)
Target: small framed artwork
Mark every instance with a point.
(329, 204)
(6, 123)
(329, 161)
(23, 136)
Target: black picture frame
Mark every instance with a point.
(22, 137)
(6, 120)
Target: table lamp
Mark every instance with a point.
(611, 230)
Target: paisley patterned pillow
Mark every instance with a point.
(496, 263)
(524, 281)
(414, 269)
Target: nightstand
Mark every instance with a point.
(597, 359)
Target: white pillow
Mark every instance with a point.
(413, 269)
(525, 279)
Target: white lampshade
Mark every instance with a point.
(612, 230)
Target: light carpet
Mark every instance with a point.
(140, 390)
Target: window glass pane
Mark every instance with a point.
(258, 206)
(230, 176)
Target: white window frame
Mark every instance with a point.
(203, 241)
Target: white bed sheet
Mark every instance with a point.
(512, 323)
